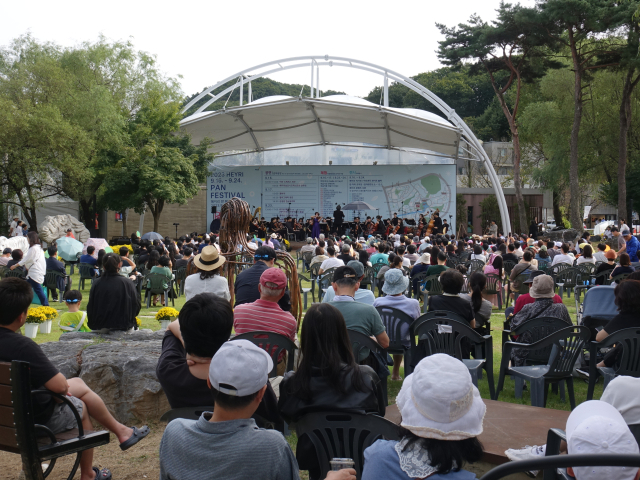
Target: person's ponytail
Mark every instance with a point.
(111, 263)
(477, 283)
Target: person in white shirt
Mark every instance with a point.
(587, 255)
(362, 295)
(518, 252)
(12, 227)
(477, 254)
(599, 255)
(331, 262)
(208, 278)
(36, 265)
(395, 284)
(563, 257)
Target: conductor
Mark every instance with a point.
(338, 217)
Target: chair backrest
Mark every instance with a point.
(18, 272)
(395, 322)
(307, 256)
(629, 360)
(419, 277)
(569, 276)
(568, 343)
(360, 341)
(443, 335)
(559, 267)
(508, 266)
(451, 263)
(494, 284)
(476, 266)
(313, 269)
(540, 328)
(344, 435)
(618, 278)
(369, 273)
(432, 284)
(587, 269)
(51, 278)
(378, 266)
(599, 305)
(327, 277)
(155, 283)
(524, 287)
(274, 344)
(435, 314)
(3, 271)
(85, 270)
(181, 273)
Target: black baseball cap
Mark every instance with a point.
(344, 272)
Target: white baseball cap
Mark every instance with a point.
(596, 427)
(623, 393)
(239, 368)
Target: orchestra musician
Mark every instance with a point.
(338, 218)
(368, 226)
(315, 230)
(437, 223)
(397, 223)
(357, 227)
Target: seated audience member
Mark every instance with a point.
(331, 262)
(73, 320)
(358, 316)
(63, 284)
(440, 266)
(6, 257)
(163, 269)
(265, 314)
(624, 267)
(442, 416)
(623, 393)
(452, 282)
(204, 324)
(128, 266)
(319, 256)
(186, 256)
(16, 257)
(246, 284)
(421, 265)
(15, 297)
(543, 256)
(89, 259)
(608, 266)
(627, 299)
(587, 255)
(113, 299)
(481, 307)
(543, 292)
(599, 255)
(208, 279)
(381, 254)
(227, 443)
(411, 254)
(563, 256)
(363, 295)
(328, 379)
(308, 247)
(526, 298)
(395, 284)
(511, 256)
(477, 254)
(524, 267)
(345, 255)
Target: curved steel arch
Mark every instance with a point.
(316, 61)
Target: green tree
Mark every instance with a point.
(511, 45)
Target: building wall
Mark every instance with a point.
(191, 216)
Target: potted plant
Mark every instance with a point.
(166, 315)
(50, 313)
(34, 318)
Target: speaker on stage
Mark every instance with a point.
(214, 209)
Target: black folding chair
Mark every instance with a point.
(395, 321)
(362, 346)
(274, 344)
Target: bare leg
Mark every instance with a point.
(86, 460)
(97, 409)
(397, 361)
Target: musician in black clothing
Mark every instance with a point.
(437, 223)
(395, 220)
(356, 229)
(338, 218)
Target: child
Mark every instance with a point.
(74, 320)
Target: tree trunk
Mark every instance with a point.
(156, 209)
(124, 223)
(574, 185)
(557, 214)
(85, 214)
(625, 124)
(517, 181)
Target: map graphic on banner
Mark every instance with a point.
(300, 191)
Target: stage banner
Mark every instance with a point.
(299, 191)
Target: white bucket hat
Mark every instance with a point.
(438, 400)
(394, 282)
(425, 258)
(595, 427)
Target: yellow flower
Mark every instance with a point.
(35, 315)
(138, 321)
(166, 313)
(49, 312)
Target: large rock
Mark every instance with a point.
(15, 243)
(565, 235)
(119, 367)
(54, 227)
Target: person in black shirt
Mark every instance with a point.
(452, 282)
(246, 284)
(15, 297)
(182, 262)
(16, 257)
(627, 298)
(344, 256)
(204, 324)
(62, 283)
(511, 257)
(338, 218)
(624, 267)
(610, 255)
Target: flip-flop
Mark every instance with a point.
(138, 434)
(103, 474)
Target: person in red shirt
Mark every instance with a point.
(265, 314)
(70, 233)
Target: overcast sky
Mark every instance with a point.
(205, 41)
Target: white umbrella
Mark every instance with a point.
(358, 206)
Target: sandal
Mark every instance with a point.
(138, 434)
(103, 474)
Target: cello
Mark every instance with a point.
(430, 226)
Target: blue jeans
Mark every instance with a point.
(37, 289)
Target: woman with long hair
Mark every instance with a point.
(328, 378)
(36, 265)
(154, 258)
(434, 255)
(587, 255)
(113, 299)
(481, 307)
(624, 267)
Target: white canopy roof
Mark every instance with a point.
(273, 122)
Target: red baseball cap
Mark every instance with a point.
(274, 276)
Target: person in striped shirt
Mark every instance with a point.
(265, 314)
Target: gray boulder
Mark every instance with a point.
(565, 235)
(119, 367)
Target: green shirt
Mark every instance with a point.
(70, 319)
(362, 318)
(436, 269)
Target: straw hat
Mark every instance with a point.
(438, 400)
(209, 259)
(542, 287)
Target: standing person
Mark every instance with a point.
(617, 241)
(493, 229)
(328, 378)
(12, 227)
(315, 230)
(631, 245)
(36, 265)
(338, 218)
(70, 234)
(63, 284)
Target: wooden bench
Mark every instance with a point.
(36, 443)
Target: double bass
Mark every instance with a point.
(430, 226)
